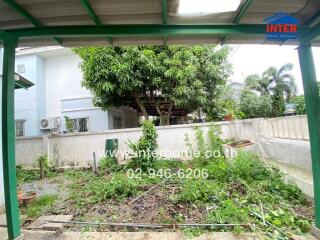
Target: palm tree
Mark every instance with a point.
(257, 83)
(277, 83)
(274, 80)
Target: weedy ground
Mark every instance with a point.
(232, 191)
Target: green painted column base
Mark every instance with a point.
(8, 140)
(312, 100)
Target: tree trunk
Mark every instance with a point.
(164, 117)
(168, 114)
(199, 114)
(141, 106)
(160, 114)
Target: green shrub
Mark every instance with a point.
(218, 169)
(108, 164)
(168, 163)
(227, 211)
(207, 150)
(30, 175)
(300, 105)
(97, 189)
(201, 143)
(255, 106)
(286, 191)
(35, 208)
(198, 190)
(25, 176)
(69, 124)
(144, 149)
(284, 218)
(248, 167)
(215, 141)
(46, 163)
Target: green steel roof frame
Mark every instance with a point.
(239, 15)
(10, 38)
(93, 16)
(19, 9)
(143, 30)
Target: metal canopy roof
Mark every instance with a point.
(20, 82)
(125, 22)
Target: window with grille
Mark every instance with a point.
(19, 125)
(117, 122)
(80, 124)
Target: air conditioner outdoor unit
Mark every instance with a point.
(49, 123)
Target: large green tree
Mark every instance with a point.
(277, 83)
(253, 105)
(182, 76)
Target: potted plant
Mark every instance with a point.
(228, 111)
(229, 115)
(20, 194)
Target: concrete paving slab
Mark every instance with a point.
(50, 235)
(42, 222)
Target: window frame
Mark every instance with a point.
(22, 121)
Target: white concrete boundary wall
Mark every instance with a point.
(77, 148)
(282, 139)
(283, 142)
(294, 127)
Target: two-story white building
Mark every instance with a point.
(57, 93)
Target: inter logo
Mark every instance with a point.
(281, 27)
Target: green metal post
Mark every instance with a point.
(8, 140)
(312, 100)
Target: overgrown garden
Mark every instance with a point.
(240, 195)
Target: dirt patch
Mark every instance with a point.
(154, 207)
(237, 187)
(306, 211)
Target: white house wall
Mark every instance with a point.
(26, 100)
(63, 78)
(98, 119)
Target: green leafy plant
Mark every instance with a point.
(227, 211)
(108, 164)
(283, 218)
(215, 141)
(198, 191)
(254, 106)
(97, 189)
(25, 176)
(43, 161)
(185, 76)
(210, 149)
(300, 105)
(69, 124)
(36, 208)
(145, 149)
(201, 143)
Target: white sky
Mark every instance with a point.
(252, 59)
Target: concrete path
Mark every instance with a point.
(50, 235)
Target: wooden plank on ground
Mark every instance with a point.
(42, 222)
